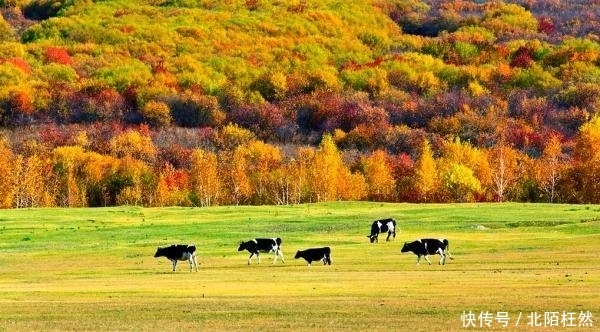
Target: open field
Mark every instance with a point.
(93, 270)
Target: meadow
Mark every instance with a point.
(93, 269)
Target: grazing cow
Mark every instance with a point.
(179, 252)
(255, 246)
(381, 226)
(426, 247)
(315, 254)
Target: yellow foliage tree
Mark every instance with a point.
(8, 189)
(135, 144)
(378, 176)
(549, 168)
(325, 169)
(205, 184)
(261, 159)
(66, 160)
(426, 180)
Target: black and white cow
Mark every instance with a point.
(179, 252)
(426, 247)
(315, 254)
(381, 226)
(258, 245)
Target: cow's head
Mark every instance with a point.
(297, 254)
(242, 246)
(372, 238)
(405, 247)
(158, 252)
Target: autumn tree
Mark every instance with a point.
(156, 113)
(325, 169)
(205, 184)
(460, 181)
(504, 162)
(135, 144)
(261, 159)
(586, 171)
(378, 175)
(426, 180)
(33, 181)
(234, 175)
(66, 160)
(330, 178)
(550, 167)
(133, 183)
(171, 187)
(465, 170)
(8, 161)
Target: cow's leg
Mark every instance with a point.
(258, 256)
(174, 262)
(442, 256)
(250, 258)
(276, 253)
(280, 254)
(418, 259)
(427, 259)
(193, 263)
(388, 237)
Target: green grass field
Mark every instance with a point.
(93, 269)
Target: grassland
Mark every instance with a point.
(93, 270)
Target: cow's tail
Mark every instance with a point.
(447, 245)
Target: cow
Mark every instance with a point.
(381, 226)
(426, 247)
(315, 254)
(179, 252)
(258, 245)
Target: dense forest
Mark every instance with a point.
(214, 102)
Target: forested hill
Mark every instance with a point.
(135, 102)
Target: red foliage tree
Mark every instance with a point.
(58, 55)
(522, 58)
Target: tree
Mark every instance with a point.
(66, 160)
(261, 159)
(474, 159)
(504, 162)
(135, 144)
(426, 179)
(234, 174)
(325, 170)
(157, 113)
(587, 161)
(550, 168)
(205, 184)
(378, 175)
(460, 181)
(8, 162)
(32, 184)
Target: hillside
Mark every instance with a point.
(499, 80)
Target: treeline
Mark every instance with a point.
(177, 102)
(231, 166)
